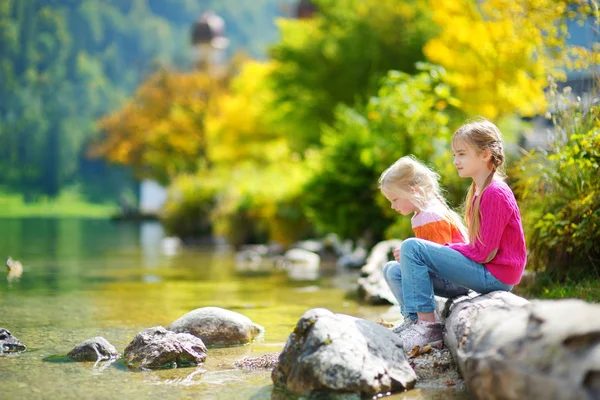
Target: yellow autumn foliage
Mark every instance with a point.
(498, 53)
(160, 130)
(235, 129)
(261, 177)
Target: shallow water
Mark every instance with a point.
(86, 278)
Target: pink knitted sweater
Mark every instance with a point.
(500, 230)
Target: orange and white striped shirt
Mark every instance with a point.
(431, 224)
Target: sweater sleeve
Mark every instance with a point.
(494, 212)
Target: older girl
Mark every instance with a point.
(494, 258)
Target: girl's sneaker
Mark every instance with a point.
(421, 334)
(407, 323)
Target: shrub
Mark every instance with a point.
(560, 191)
(187, 210)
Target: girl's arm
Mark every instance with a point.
(495, 210)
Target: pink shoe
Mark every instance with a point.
(407, 323)
(422, 334)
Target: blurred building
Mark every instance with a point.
(209, 43)
(305, 9)
(152, 197)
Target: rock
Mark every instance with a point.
(266, 361)
(217, 326)
(312, 245)
(333, 354)
(93, 349)
(356, 259)
(9, 343)
(249, 260)
(301, 264)
(156, 348)
(373, 289)
(508, 348)
(380, 254)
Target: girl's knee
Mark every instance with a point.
(387, 266)
(388, 269)
(408, 245)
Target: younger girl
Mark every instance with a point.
(495, 256)
(411, 187)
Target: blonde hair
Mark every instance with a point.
(481, 135)
(411, 179)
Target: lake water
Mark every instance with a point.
(86, 278)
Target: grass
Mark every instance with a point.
(69, 203)
(544, 287)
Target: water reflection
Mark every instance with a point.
(151, 233)
(101, 365)
(193, 378)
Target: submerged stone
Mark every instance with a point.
(156, 348)
(217, 326)
(93, 349)
(9, 343)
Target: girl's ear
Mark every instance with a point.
(486, 155)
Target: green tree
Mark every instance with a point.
(339, 56)
(411, 114)
(66, 63)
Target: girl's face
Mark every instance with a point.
(400, 204)
(468, 162)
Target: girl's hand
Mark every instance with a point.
(397, 254)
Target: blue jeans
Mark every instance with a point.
(392, 273)
(422, 259)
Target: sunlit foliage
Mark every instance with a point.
(339, 56)
(560, 191)
(498, 53)
(411, 114)
(261, 178)
(160, 131)
(255, 181)
(237, 128)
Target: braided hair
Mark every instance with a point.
(481, 135)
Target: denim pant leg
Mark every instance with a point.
(393, 277)
(419, 258)
(445, 288)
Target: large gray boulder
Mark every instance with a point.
(93, 349)
(9, 343)
(508, 348)
(156, 348)
(217, 326)
(333, 354)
